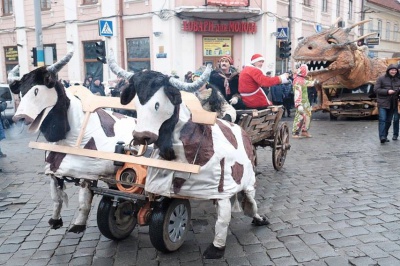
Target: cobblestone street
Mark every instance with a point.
(335, 202)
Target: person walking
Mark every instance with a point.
(302, 119)
(226, 78)
(251, 81)
(2, 136)
(387, 88)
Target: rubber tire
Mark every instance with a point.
(107, 222)
(332, 117)
(160, 222)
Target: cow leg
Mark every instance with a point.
(216, 250)
(250, 208)
(85, 203)
(58, 196)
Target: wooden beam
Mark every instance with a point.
(170, 165)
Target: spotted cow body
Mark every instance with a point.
(223, 151)
(48, 107)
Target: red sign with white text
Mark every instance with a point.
(228, 2)
(213, 26)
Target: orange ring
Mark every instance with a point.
(131, 173)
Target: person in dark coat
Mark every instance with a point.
(387, 89)
(277, 94)
(97, 87)
(226, 79)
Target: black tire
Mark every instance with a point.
(115, 223)
(6, 123)
(332, 117)
(169, 224)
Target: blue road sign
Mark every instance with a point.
(282, 33)
(106, 28)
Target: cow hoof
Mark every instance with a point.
(76, 228)
(55, 224)
(212, 252)
(260, 222)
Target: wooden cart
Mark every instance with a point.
(265, 129)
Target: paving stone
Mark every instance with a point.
(310, 239)
(353, 231)
(389, 261)
(375, 237)
(9, 248)
(323, 250)
(278, 253)
(362, 261)
(316, 228)
(287, 261)
(343, 242)
(304, 255)
(373, 251)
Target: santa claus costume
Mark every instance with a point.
(251, 79)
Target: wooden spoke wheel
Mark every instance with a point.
(280, 146)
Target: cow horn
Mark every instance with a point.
(115, 68)
(62, 62)
(357, 24)
(12, 75)
(192, 87)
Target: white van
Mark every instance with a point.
(7, 96)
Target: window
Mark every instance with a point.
(45, 4)
(350, 9)
(395, 32)
(138, 54)
(92, 66)
(324, 7)
(388, 25)
(7, 7)
(89, 2)
(306, 2)
(379, 27)
(11, 57)
(337, 8)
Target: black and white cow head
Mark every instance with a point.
(44, 104)
(157, 99)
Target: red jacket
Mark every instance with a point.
(251, 79)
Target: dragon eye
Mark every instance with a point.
(332, 41)
(156, 106)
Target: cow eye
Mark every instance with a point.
(156, 106)
(36, 91)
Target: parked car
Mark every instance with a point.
(8, 97)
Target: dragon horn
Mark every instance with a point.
(62, 62)
(12, 75)
(364, 36)
(115, 68)
(357, 24)
(192, 87)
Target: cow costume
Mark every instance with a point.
(223, 151)
(47, 106)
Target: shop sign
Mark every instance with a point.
(11, 54)
(228, 2)
(212, 26)
(217, 46)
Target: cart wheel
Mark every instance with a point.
(281, 146)
(6, 123)
(169, 224)
(115, 223)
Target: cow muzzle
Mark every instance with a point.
(144, 137)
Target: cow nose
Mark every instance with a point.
(144, 137)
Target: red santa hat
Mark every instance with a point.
(256, 58)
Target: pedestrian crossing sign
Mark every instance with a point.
(106, 28)
(282, 33)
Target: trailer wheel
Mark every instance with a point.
(169, 224)
(116, 223)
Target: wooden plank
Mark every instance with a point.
(91, 102)
(182, 167)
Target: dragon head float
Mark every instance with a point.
(333, 58)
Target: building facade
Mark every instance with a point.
(170, 36)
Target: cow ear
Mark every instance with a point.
(14, 87)
(128, 94)
(174, 95)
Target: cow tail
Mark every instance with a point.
(236, 205)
